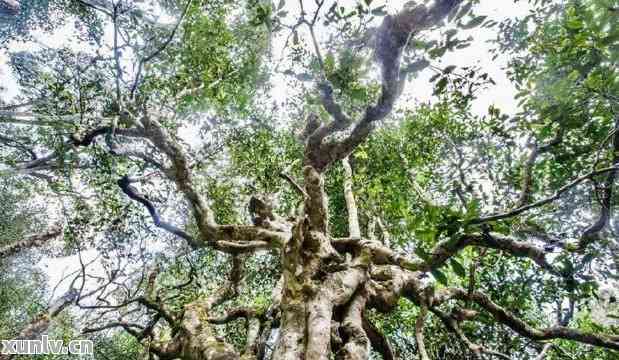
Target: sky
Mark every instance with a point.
(501, 95)
(478, 54)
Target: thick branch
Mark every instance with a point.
(512, 321)
(212, 234)
(40, 323)
(232, 315)
(444, 250)
(30, 241)
(357, 344)
(448, 248)
(392, 37)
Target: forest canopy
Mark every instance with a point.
(318, 179)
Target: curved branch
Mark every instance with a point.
(592, 231)
(76, 141)
(448, 248)
(512, 321)
(527, 169)
(125, 184)
(158, 51)
(211, 233)
(544, 201)
(392, 37)
(234, 314)
(452, 325)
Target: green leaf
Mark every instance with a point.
(440, 277)
(451, 33)
(417, 66)
(440, 86)
(457, 268)
(438, 52)
(362, 155)
(449, 69)
(472, 210)
(574, 24)
(379, 11)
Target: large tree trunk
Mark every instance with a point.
(325, 292)
(317, 280)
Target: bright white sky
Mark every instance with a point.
(501, 95)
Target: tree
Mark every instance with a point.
(362, 227)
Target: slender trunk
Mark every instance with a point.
(353, 218)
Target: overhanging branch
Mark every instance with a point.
(125, 184)
(31, 241)
(518, 325)
(544, 201)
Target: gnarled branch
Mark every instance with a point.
(391, 39)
